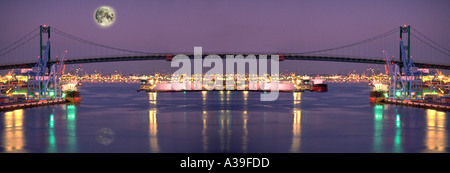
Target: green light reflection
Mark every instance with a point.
(51, 135)
(71, 129)
(378, 136)
(398, 135)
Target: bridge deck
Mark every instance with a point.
(286, 57)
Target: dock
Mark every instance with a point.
(31, 104)
(429, 105)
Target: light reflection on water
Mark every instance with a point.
(223, 121)
(13, 133)
(152, 123)
(436, 136)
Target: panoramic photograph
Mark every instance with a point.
(226, 83)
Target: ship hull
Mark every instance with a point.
(376, 96)
(73, 96)
(74, 99)
(320, 88)
(376, 99)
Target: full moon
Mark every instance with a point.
(105, 16)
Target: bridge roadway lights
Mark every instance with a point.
(163, 57)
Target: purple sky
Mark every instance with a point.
(228, 26)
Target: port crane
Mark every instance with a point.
(405, 82)
(43, 80)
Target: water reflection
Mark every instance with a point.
(225, 130)
(71, 129)
(228, 97)
(436, 135)
(152, 98)
(153, 131)
(13, 138)
(204, 121)
(435, 139)
(152, 123)
(397, 148)
(51, 135)
(225, 114)
(69, 122)
(386, 124)
(204, 130)
(225, 121)
(296, 123)
(378, 129)
(245, 119)
(297, 97)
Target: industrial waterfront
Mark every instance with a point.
(115, 118)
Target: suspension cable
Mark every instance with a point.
(34, 30)
(19, 45)
(430, 39)
(356, 43)
(96, 44)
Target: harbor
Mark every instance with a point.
(219, 122)
(13, 106)
(410, 85)
(18, 93)
(225, 77)
(430, 105)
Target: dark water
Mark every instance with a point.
(115, 118)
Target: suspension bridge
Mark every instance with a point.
(44, 76)
(23, 53)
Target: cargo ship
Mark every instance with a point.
(318, 86)
(376, 96)
(303, 84)
(379, 91)
(71, 92)
(147, 84)
(73, 96)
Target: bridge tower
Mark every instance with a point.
(44, 30)
(404, 30)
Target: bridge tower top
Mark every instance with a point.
(405, 30)
(44, 29)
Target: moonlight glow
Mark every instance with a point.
(105, 16)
